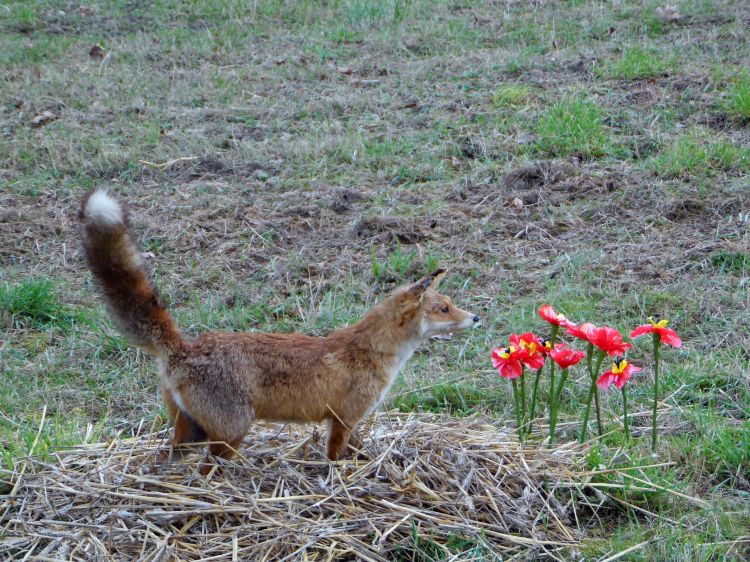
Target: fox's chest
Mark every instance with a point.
(400, 359)
(393, 368)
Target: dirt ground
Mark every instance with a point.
(287, 164)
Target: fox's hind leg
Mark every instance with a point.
(186, 429)
(226, 431)
(221, 450)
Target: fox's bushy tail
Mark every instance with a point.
(118, 269)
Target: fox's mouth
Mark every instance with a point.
(446, 334)
(443, 337)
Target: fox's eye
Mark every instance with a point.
(445, 309)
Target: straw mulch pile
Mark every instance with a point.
(440, 486)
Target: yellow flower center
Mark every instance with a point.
(531, 346)
(505, 353)
(619, 367)
(660, 324)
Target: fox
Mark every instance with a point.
(216, 384)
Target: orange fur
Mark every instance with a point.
(218, 383)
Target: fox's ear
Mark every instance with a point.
(430, 281)
(437, 277)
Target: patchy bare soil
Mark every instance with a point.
(287, 164)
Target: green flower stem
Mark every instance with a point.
(556, 405)
(532, 409)
(518, 406)
(599, 361)
(625, 413)
(598, 410)
(592, 393)
(654, 429)
(523, 399)
(586, 414)
(552, 365)
(589, 366)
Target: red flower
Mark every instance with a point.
(548, 313)
(545, 346)
(666, 335)
(581, 331)
(618, 375)
(565, 356)
(529, 348)
(609, 340)
(507, 362)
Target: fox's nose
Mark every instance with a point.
(476, 319)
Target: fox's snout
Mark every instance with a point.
(471, 319)
(446, 318)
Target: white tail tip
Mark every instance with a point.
(103, 209)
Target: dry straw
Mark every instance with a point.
(429, 484)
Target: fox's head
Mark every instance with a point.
(425, 313)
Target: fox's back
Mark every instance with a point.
(287, 377)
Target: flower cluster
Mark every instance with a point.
(526, 349)
(666, 335)
(566, 357)
(618, 375)
(529, 351)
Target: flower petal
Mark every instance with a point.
(535, 361)
(609, 340)
(497, 361)
(547, 313)
(621, 380)
(670, 337)
(583, 331)
(511, 370)
(550, 315)
(604, 381)
(641, 330)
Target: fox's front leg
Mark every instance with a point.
(338, 438)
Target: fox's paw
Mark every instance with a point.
(208, 466)
(358, 454)
(353, 453)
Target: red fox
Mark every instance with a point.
(215, 385)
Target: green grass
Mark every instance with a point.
(425, 109)
(718, 450)
(365, 12)
(573, 126)
(731, 262)
(510, 96)
(425, 548)
(459, 399)
(401, 264)
(694, 154)
(738, 100)
(32, 301)
(637, 63)
(42, 437)
(21, 16)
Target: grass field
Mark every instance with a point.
(289, 163)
